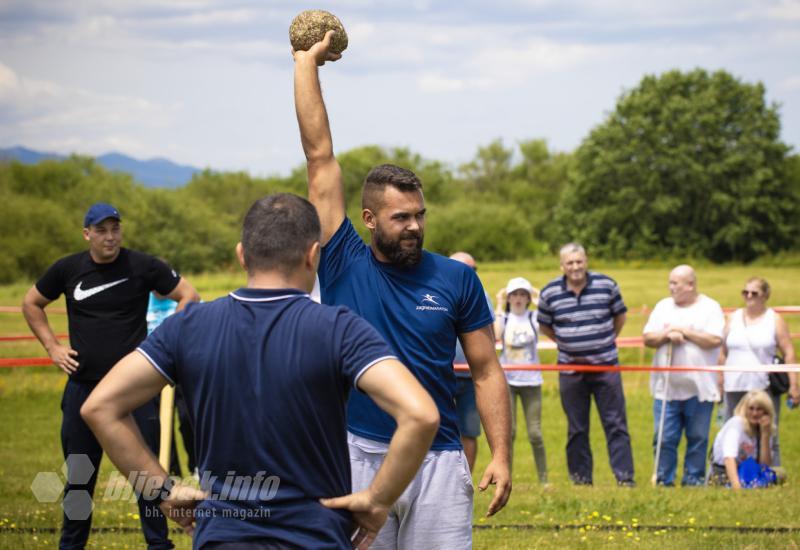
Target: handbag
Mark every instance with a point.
(778, 381)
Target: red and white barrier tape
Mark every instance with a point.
(623, 342)
(25, 362)
(23, 337)
(462, 367)
(17, 309)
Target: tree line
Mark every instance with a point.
(687, 165)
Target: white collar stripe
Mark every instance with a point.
(270, 299)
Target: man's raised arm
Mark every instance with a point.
(325, 190)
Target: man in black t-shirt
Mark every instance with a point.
(107, 290)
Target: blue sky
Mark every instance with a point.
(209, 82)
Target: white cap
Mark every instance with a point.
(521, 283)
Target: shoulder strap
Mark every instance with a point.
(740, 311)
(503, 334)
(533, 325)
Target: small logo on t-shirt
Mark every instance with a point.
(430, 299)
(81, 294)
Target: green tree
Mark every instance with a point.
(530, 180)
(490, 167)
(489, 231)
(687, 164)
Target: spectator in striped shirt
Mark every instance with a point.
(583, 312)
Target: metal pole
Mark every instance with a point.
(660, 436)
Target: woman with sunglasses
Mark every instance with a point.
(752, 335)
(746, 434)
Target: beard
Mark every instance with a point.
(395, 252)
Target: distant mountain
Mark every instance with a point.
(27, 156)
(157, 172)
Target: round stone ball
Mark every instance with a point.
(310, 26)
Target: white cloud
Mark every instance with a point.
(97, 75)
(46, 114)
(535, 55)
(785, 10)
(431, 82)
(789, 85)
(8, 81)
(211, 17)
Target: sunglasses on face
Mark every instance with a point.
(751, 293)
(755, 408)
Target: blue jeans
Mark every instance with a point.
(694, 417)
(469, 421)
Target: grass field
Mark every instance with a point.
(558, 515)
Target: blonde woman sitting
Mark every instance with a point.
(745, 436)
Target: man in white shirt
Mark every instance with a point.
(692, 324)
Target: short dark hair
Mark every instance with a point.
(387, 174)
(277, 231)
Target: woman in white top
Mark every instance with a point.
(752, 334)
(516, 326)
(745, 435)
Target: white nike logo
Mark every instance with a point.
(81, 294)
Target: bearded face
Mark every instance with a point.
(403, 249)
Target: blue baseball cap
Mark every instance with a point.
(98, 212)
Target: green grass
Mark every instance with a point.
(553, 516)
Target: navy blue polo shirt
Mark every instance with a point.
(266, 375)
(419, 310)
(583, 323)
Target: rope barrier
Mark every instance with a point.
(463, 367)
(7, 363)
(17, 309)
(22, 337)
(624, 342)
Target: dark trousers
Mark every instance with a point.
(77, 439)
(576, 396)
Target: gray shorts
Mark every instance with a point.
(435, 510)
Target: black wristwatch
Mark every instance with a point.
(163, 492)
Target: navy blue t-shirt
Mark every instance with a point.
(419, 310)
(266, 375)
